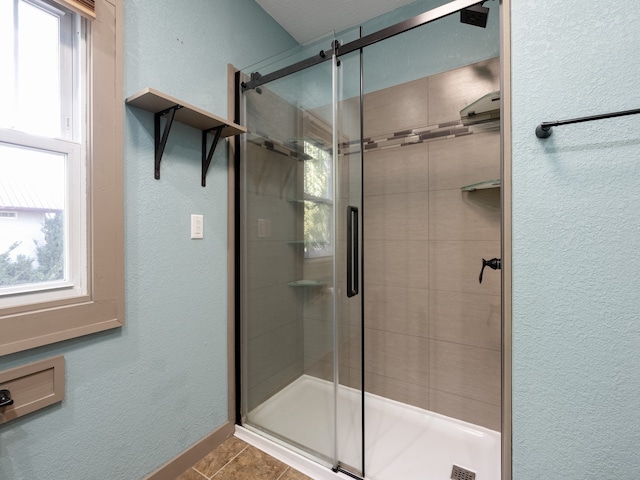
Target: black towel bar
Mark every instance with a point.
(544, 129)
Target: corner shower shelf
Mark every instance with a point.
(482, 185)
(311, 199)
(306, 283)
(305, 243)
(161, 105)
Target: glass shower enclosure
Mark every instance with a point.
(301, 184)
(370, 205)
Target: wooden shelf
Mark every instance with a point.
(163, 105)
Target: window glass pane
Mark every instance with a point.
(318, 210)
(317, 171)
(7, 85)
(30, 77)
(38, 71)
(32, 226)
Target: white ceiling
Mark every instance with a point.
(307, 20)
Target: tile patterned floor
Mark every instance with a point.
(237, 460)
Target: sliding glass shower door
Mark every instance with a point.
(301, 214)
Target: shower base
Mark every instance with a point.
(401, 441)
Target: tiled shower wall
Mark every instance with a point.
(272, 310)
(432, 331)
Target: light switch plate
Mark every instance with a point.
(197, 226)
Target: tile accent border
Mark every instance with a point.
(176, 467)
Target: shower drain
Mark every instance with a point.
(459, 473)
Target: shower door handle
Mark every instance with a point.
(353, 278)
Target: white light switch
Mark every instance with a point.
(197, 226)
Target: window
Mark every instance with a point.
(61, 255)
(43, 255)
(318, 207)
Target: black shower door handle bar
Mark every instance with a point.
(544, 129)
(353, 279)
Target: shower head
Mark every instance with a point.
(475, 15)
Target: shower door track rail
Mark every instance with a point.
(338, 50)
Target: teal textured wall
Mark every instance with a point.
(576, 224)
(139, 396)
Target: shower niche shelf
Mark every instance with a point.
(163, 105)
(304, 243)
(487, 184)
(306, 284)
(310, 199)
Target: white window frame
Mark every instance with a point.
(102, 307)
(75, 284)
(72, 64)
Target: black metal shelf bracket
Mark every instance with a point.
(161, 141)
(544, 129)
(166, 109)
(208, 155)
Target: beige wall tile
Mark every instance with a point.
(317, 302)
(469, 372)
(465, 318)
(261, 391)
(271, 263)
(451, 91)
(456, 162)
(354, 348)
(274, 351)
(349, 309)
(350, 169)
(397, 309)
(396, 108)
(466, 409)
(390, 387)
(320, 268)
(319, 369)
(396, 170)
(400, 263)
(280, 219)
(270, 308)
(318, 351)
(455, 266)
(270, 173)
(351, 377)
(318, 341)
(457, 215)
(403, 357)
(399, 216)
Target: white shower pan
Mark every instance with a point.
(401, 441)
